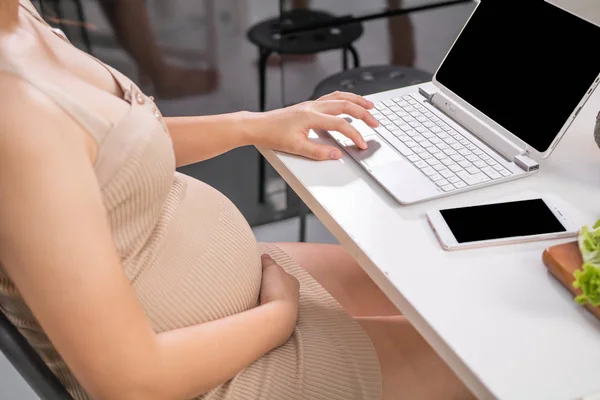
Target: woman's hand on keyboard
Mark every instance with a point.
(287, 129)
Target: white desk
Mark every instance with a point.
(506, 327)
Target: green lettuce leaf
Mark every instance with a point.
(588, 280)
(589, 244)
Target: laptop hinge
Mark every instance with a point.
(498, 142)
(526, 163)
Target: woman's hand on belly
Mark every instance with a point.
(279, 287)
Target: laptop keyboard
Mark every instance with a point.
(446, 157)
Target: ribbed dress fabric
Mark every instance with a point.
(192, 258)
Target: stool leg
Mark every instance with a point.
(345, 59)
(262, 93)
(355, 56)
(302, 214)
(262, 78)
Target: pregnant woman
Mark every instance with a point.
(133, 281)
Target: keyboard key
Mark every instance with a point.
(460, 185)
(433, 161)
(480, 164)
(439, 167)
(428, 124)
(421, 118)
(442, 182)
(395, 108)
(414, 158)
(436, 130)
(464, 163)
(426, 156)
(381, 130)
(421, 164)
(386, 122)
(442, 146)
(411, 132)
(465, 152)
(436, 177)
(436, 140)
(472, 170)
(415, 124)
(449, 141)
(491, 162)
(455, 168)
(472, 147)
(465, 142)
(449, 152)
(411, 143)
(428, 171)
(447, 174)
(380, 106)
(394, 117)
(419, 149)
(401, 147)
(498, 167)
(387, 111)
(440, 156)
(472, 158)
(457, 158)
(397, 99)
(389, 103)
(454, 179)
(448, 188)
(473, 179)
(491, 173)
(505, 172)
(419, 139)
(479, 153)
(484, 157)
(447, 162)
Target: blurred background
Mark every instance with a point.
(200, 57)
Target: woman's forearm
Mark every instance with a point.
(197, 139)
(196, 359)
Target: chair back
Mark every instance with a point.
(29, 364)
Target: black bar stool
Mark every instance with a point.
(373, 79)
(267, 37)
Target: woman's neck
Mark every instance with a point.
(9, 14)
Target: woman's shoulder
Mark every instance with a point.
(27, 113)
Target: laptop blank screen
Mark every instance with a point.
(524, 64)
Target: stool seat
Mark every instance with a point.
(369, 80)
(267, 35)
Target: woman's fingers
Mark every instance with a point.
(331, 123)
(351, 97)
(319, 152)
(337, 107)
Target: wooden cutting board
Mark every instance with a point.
(562, 261)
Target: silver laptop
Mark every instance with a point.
(507, 91)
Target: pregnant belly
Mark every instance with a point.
(207, 266)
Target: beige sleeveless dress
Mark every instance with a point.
(192, 258)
